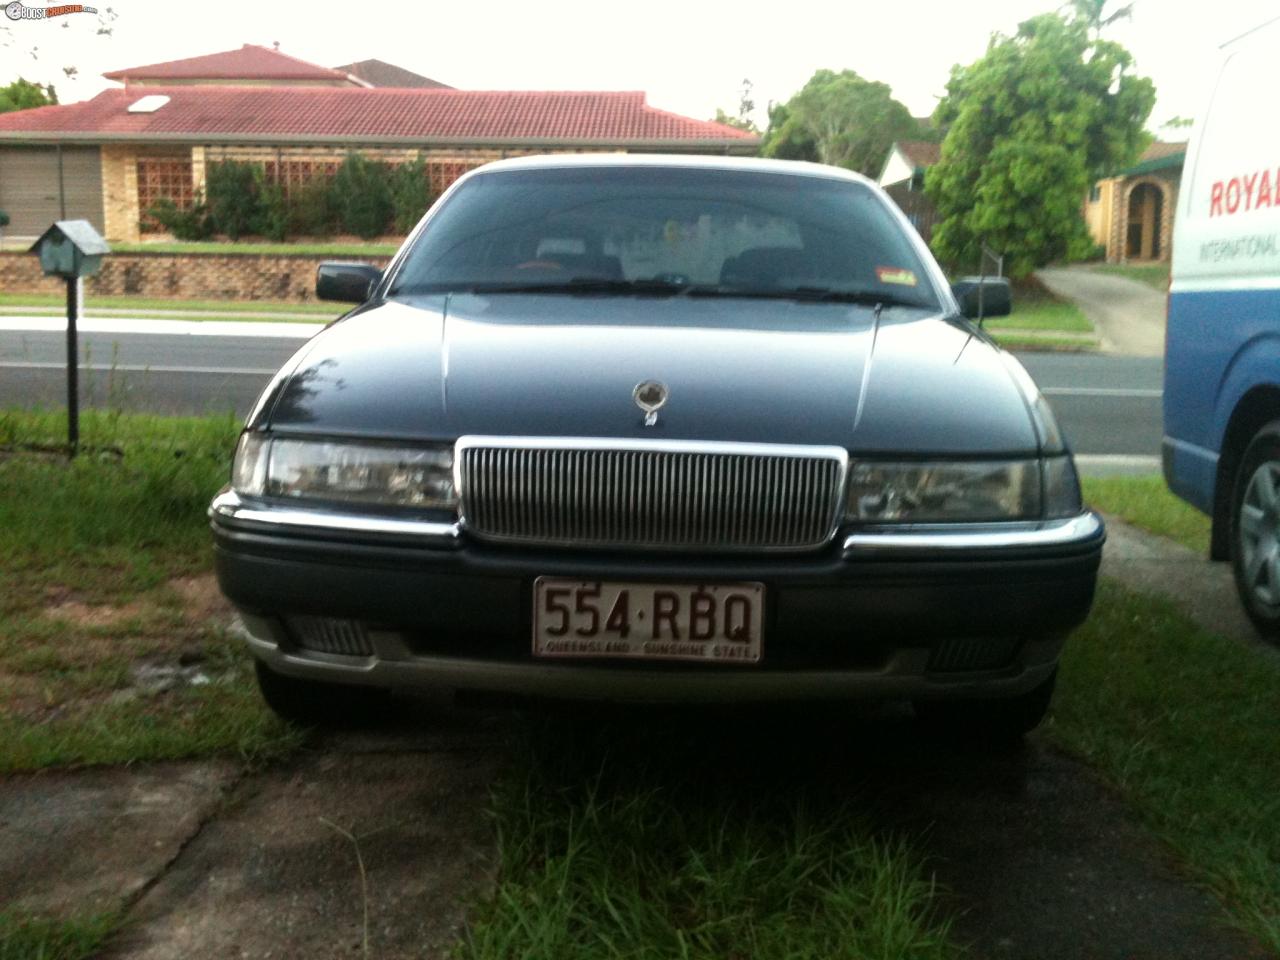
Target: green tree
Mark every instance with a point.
(839, 119)
(1030, 126)
(784, 140)
(23, 95)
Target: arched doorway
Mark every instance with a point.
(1146, 213)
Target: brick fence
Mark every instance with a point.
(194, 276)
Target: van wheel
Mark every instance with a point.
(314, 703)
(1255, 531)
(1003, 720)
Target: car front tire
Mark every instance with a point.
(994, 720)
(314, 703)
(1255, 531)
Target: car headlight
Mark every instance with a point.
(942, 492)
(1061, 488)
(378, 474)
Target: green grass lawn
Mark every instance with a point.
(105, 562)
(658, 833)
(1154, 275)
(1145, 501)
(1055, 316)
(318, 248)
(1186, 725)
(24, 937)
(1041, 321)
(1045, 344)
(307, 311)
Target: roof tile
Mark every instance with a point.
(921, 154)
(374, 115)
(250, 62)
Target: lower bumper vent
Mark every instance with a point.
(963, 654)
(346, 638)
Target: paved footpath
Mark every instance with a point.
(212, 862)
(1128, 315)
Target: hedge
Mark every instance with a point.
(368, 198)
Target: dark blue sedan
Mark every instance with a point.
(659, 428)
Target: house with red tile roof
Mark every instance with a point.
(907, 162)
(251, 65)
(109, 159)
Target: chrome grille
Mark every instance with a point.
(683, 496)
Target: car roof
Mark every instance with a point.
(678, 161)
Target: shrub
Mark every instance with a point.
(273, 213)
(234, 188)
(189, 224)
(410, 193)
(311, 208)
(1089, 252)
(362, 195)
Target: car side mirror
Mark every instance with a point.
(346, 282)
(981, 297)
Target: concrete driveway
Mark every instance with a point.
(1129, 316)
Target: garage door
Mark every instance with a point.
(29, 187)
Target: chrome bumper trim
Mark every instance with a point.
(1080, 529)
(905, 677)
(228, 505)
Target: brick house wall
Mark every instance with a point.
(1117, 242)
(241, 277)
(125, 205)
(120, 193)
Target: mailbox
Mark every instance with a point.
(70, 249)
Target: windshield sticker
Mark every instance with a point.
(904, 278)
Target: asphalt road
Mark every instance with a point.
(1107, 405)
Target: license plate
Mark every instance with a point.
(715, 623)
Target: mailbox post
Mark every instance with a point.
(71, 249)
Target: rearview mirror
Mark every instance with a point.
(346, 282)
(981, 297)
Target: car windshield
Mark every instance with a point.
(654, 230)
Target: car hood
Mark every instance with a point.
(736, 369)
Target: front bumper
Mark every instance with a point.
(921, 612)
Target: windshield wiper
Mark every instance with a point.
(808, 295)
(660, 287)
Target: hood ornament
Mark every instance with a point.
(650, 395)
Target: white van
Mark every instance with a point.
(1222, 356)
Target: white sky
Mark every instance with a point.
(690, 56)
